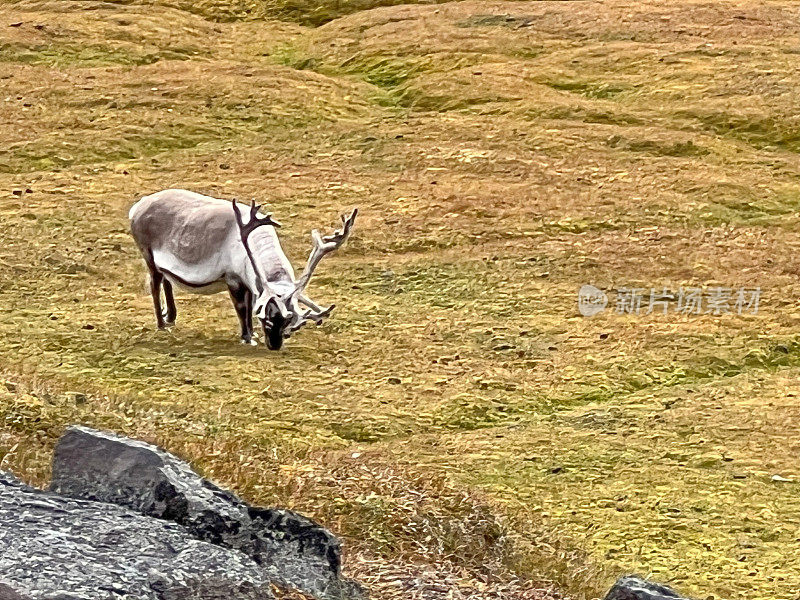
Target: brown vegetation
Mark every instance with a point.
(456, 420)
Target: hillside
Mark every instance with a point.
(457, 421)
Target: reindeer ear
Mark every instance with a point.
(260, 306)
(260, 309)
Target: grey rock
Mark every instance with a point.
(10, 592)
(631, 587)
(56, 548)
(293, 550)
(10, 480)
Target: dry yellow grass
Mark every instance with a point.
(502, 154)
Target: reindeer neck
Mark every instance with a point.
(258, 281)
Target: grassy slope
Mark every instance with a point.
(500, 162)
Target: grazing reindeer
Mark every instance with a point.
(204, 245)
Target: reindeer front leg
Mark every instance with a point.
(243, 303)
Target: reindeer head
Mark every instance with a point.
(278, 304)
(275, 317)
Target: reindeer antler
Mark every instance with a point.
(255, 221)
(245, 229)
(322, 246)
(312, 316)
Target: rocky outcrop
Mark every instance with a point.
(56, 548)
(291, 550)
(631, 587)
(125, 519)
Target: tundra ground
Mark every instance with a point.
(457, 421)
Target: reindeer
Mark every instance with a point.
(205, 245)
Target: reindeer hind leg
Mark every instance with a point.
(172, 310)
(156, 279)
